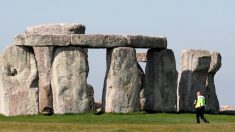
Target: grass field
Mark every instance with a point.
(136, 122)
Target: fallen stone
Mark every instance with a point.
(56, 28)
(212, 105)
(194, 66)
(71, 93)
(91, 41)
(123, 81)
(160, 81)
(18, 82)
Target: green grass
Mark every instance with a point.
(116, 122)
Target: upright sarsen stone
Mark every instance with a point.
(194, 66)
(212, 103)
(18, 82)
(123, 81)
(71, 93)
(160, 81)
(44, 58)
(1, 89)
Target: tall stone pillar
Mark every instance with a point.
(1, 89)
(18, 82)
(160, 81)
(212, 105)
(71, 93)
(194, 66)
(43, 56)
(123, 81)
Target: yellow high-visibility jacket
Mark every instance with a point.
(201, 101)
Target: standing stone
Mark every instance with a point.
(43, 56)
(44, 59)
(193, 73)
(142, 99)
(160, 81)
(90, 93)
(1, 88)
(18, 82)
(123, 81)
(71, 93)
(212, 103)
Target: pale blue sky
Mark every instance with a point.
(197, 24)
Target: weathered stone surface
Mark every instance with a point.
(215, 62)
(42, 40)
(139, 41)
(42, 35)
(212, 105)
(90, 93)
(1, 89)
(18, 82)
(142, 99)
(141, 57)
(56, 28)
(123, 81)
(160, 81)
(43, 56)
(99, 41)
(194, 66)
(71, 93)
(91, 41)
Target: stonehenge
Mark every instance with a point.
(45, 71)
(44, 59)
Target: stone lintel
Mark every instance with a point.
(56, 28)
(91, 40)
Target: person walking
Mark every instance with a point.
(200, 104)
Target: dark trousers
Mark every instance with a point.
(200, 113)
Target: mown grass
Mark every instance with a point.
(116, 122)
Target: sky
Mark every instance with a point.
(187, 24)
